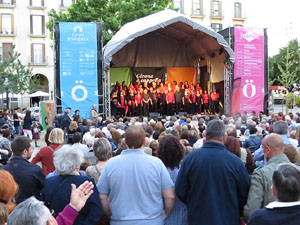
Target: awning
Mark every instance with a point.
(164, 39)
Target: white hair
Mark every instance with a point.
(67, 159)
(29, 212)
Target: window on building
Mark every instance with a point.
(7, 23)
(37, 25)
(238, 10)
(178, 4)
(6, 48)
(197, 7)
(66, 3)
(37, 3)
(216, 8)
(37, 53)
(216, 26)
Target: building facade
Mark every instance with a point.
(217, 14)
(23, 24)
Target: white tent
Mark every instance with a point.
(39, 94)
(163, 39)
(166, 39)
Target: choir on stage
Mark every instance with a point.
(165, 99)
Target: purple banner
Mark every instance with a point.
(249, 69)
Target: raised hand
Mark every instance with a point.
(80, 195)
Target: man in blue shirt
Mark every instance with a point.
(281, 128)
(253, 142)
(135, 188)
(213, 182)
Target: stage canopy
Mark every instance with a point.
(164, 39)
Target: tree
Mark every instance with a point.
(113, 13)
(285, 67)
(14, 76)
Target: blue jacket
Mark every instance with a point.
(252, 143)
(90, 214)
(214, 185)
(29, 177)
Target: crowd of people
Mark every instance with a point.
(175, 170)
(163, 98)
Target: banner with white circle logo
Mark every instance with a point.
(248, 70)
(78, 66)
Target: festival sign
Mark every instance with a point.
(148, 74)
(78, 66)
(248, 70)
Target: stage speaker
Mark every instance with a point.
(154, 114)
(207, 76)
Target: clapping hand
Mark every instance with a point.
(80, 195)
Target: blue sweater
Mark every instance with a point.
(276, 216)
(214, 185)
(90, 214)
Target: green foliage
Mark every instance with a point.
(290, 98)
(15, 76)
(297, 100)
(112, 13)
(284, 68)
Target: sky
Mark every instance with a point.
(281, 18)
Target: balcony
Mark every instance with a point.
(32, 62)
(8, 5)
(37, 35)
(7, 33)
(216, 15)
(37, 7)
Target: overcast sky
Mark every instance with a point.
(282, 18)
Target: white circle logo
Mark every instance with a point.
(253, 89)
(80, 87)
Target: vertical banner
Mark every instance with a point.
(249, 69)
(78, 66)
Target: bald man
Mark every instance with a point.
(261, 180)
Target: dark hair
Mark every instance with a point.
(252, 130)
(232, 144)
(19, 144)
(28, 114)
(184, 135)
(170, 151)
(76, 137)
(286, 180)
(49, 129)
(134, 137)
(6, 133)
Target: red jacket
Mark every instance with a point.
(170, 98)
(205, 98)
(215, 96)
(138, 99)
(45, 156)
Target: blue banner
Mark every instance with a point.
(78, 67)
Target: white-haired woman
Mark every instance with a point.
(45, 155)
(57, 189)
(103, 152)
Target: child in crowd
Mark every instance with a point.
(35, 133)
